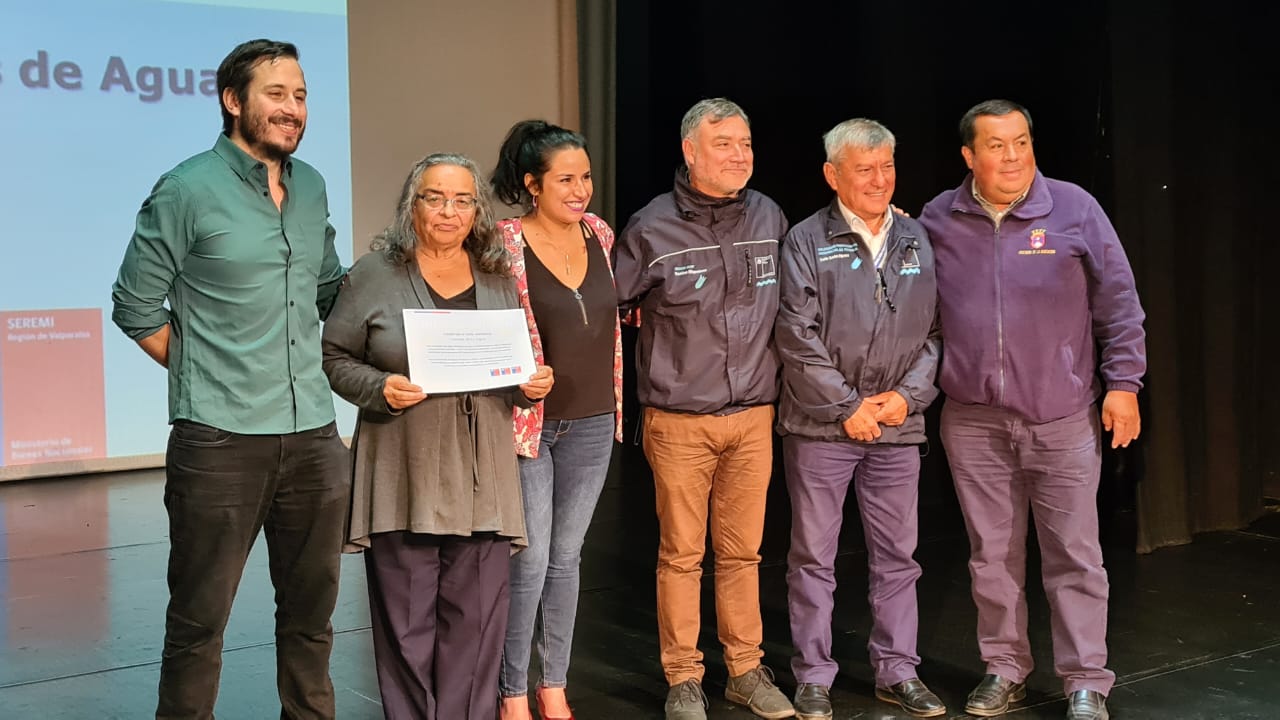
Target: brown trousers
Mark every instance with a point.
(717, 466)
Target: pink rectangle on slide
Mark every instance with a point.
(52, 393)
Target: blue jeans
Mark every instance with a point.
(560, 487)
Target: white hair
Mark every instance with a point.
(859, 133)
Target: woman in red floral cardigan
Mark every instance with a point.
(560, 259)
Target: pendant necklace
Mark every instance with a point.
(568, 271)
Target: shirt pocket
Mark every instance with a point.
(761, 258)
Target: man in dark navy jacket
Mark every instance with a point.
(1033, 285)
(701, 264)
(859, 344)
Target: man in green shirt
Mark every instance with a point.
(238, 242)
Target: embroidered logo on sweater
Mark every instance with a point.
(1038, 242)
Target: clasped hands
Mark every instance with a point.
(400, 393)
(887, 408)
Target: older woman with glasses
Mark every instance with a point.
(436, 504)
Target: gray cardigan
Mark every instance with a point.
(446, 466)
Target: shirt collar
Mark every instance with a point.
(992, 210)
(244, 164)
(859, 226)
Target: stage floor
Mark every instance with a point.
(1194, 630)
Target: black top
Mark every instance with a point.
(465, 300)
(577, 334)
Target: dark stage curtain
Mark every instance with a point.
(597, 73)
(1165, 117)
(1194, 158)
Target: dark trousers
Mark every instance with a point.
(221, 489)
(438, 605)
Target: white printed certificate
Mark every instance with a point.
(466, 350)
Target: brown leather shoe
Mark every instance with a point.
(914, 697)
(812, 702)
(993, 695)
(1087, 705)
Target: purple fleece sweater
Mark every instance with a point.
(1028, 305)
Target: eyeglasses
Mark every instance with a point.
(437, 202)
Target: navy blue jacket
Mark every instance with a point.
(703, 272)
(839, 343)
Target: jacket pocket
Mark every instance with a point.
(1068, 357)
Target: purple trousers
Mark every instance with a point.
(886, 483)
(438, 606)
(1005, 466)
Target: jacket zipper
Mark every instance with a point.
(882, 297)
(999, 310)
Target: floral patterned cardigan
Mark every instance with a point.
(528, 421)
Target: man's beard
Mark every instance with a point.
(256, 129)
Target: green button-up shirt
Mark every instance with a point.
(247, 285)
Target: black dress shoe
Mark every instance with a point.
(993, 695)
(1087, 705)
(813, 702)
(914, 697)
